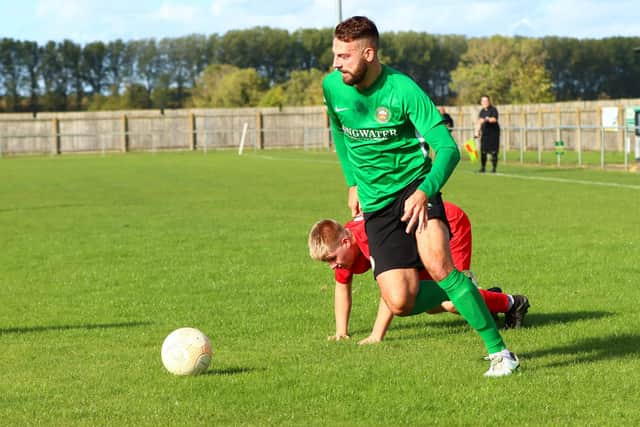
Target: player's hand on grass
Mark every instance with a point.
(338, 337)
(415, 211)
(371, 339)
(354, 202)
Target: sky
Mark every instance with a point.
(85, 21)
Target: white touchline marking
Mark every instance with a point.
(508, 175)
(570, 181)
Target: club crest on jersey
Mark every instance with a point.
(382, 114)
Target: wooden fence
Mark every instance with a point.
(525, 127)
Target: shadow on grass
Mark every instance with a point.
(543, 319)
(591, 350)
(88, 326)
(452, 322)
(230, 371)
(37, 208)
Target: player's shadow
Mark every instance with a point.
(41, 207)
(87, 326)
(237, 370)
(588, 350)
(544, 319)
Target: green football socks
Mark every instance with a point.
(468, 301)
(430, 296)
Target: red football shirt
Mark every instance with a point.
(460, 245)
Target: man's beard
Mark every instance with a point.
(357, 76)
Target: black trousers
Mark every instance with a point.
(494, 159)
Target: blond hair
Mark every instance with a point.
(324, 238)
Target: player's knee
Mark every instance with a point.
(400, 306)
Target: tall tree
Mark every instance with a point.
(270, 51)
(447, 53)
(511, 70)
(186, 58)
(10, 72)
(31, 56)
(315, 48)
(55, 85)
(198, 55)
(304, 88)
(72, 73)
(148, 63)
(226, 86)
(94, 66)
(591, 69)
(412, 53)
(118, 65)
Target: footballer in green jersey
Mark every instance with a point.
(382, 130)
(383, 127)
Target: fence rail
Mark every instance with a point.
(533, 145)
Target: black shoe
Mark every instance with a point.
(493, 171)
(495, 318)
(481, 170)
(514, 317)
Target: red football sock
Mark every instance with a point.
(496, 302)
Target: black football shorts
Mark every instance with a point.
(390, 246)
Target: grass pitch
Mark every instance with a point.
(102, 257)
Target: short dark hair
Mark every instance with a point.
(355, 28)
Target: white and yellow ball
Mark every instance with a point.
(186, 351)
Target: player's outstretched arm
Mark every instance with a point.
(342, 310)
(381, 325)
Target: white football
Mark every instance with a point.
(186, 351)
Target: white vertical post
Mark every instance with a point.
(522, 133)
(626, 148)
(602, 144)
(243, 137)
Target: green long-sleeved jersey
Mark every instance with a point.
(383, 134)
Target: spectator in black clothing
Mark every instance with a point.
(446, 118)
(488, 129)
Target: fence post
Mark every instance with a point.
(579, 136)
(523, 138)
(625, 148)
(259, 136)
(599, 139)
(558, 124)
(56, 146)
(327, 130)
(540, 136)
(193, 135)
(508, 138)
(124, 141)
(621, 125)
(461, 124)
